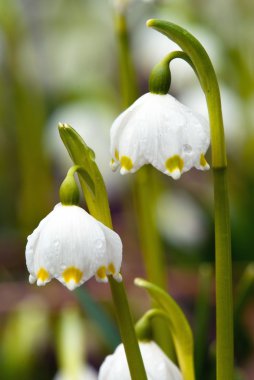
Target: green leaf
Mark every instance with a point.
(98, 315)
(90, 177)
(178, 325)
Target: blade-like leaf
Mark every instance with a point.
(95, 191)
(178, 324)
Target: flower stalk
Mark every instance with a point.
(145, 184)
(207, 77)
(98, 206)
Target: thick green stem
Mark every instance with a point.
(207, 77)
(224, 302)
(127, 331)
(144, 184)
(146, 196)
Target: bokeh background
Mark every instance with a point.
(59, 63)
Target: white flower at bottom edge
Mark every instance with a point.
(157, 364)
(159, 130)
(72, 246)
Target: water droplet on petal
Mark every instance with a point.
(187, 148)
(99, 245)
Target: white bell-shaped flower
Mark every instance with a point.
(158, 130)
(157, 364)
(72, 246)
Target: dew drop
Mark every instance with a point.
(98, 245)
(187, 148)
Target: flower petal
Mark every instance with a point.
(72, 246)
(155, 129)
(157, 364)
(114, 252)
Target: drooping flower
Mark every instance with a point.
(158, 130)
(72, 246)
(157, 364)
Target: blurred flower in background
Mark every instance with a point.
(71, 347)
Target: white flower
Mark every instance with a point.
(71, 246)
(159, 130)
(157, 364)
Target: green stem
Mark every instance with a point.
(144, 326)
(127, 331)
(97, 203)
(128, 82)
(146, 193)
(207, 77)
(224, 302)
(202, 318)
(144, 185)
(126, 326)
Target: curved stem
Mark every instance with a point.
(144, 325)
(97, 203)
(207, 77)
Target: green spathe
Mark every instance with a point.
(69, 192)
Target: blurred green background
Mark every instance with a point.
(59, 63)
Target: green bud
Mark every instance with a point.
(69, 192)
(160, 78)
